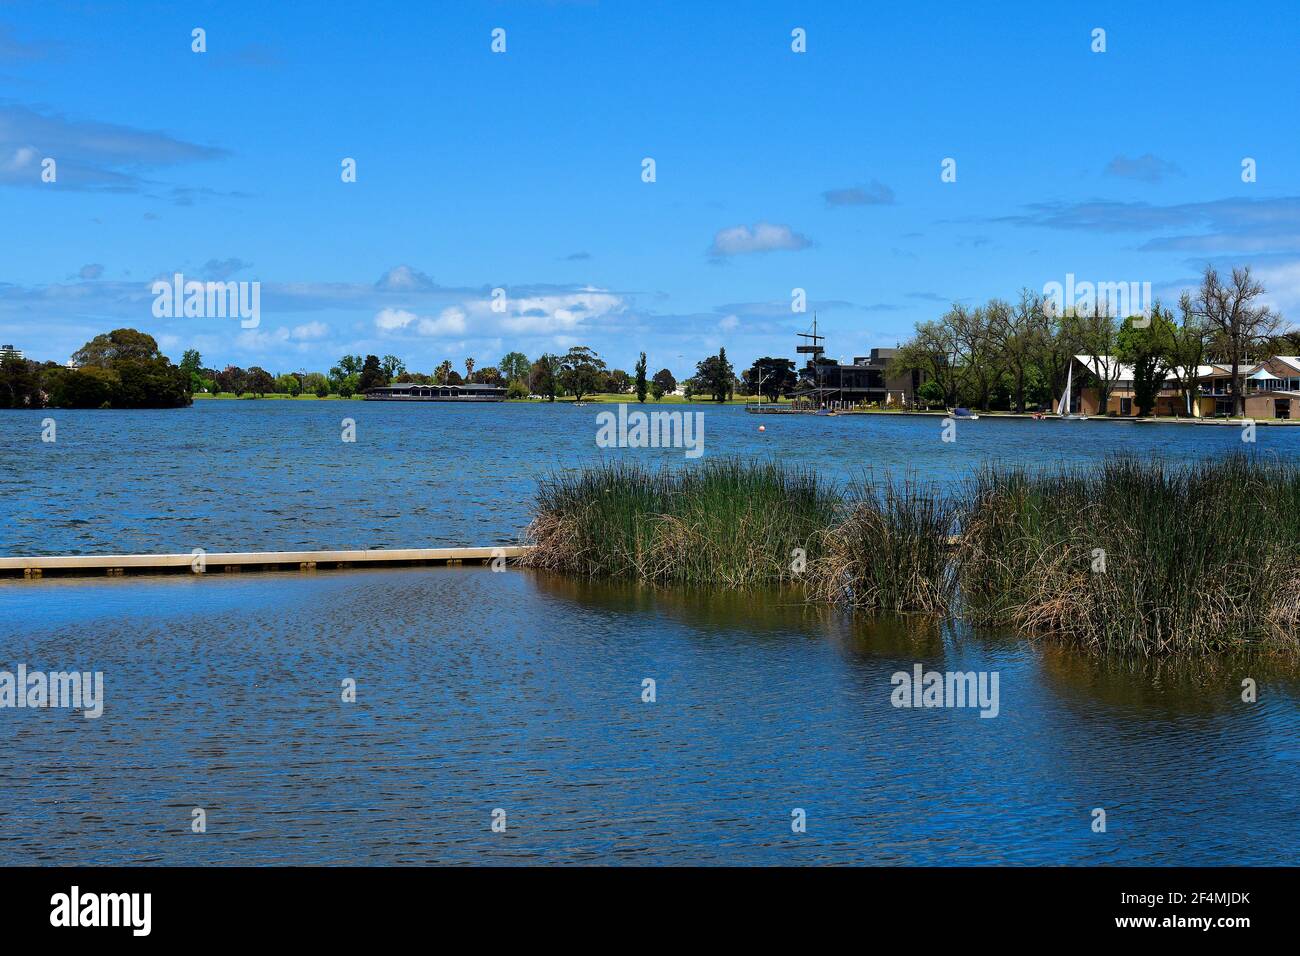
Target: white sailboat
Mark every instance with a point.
(1063, 407)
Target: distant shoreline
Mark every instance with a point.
(613, 399)
(603, 398)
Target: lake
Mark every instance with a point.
(274, 475)
(523, 692)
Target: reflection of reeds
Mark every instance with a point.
(1137, 556)
(1129, 556)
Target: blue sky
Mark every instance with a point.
(775, 170)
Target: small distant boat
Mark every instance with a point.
(965, 413)
(1063, 407)
(579, 404)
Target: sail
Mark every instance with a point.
(1063, 407)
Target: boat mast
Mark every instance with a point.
(815, 349)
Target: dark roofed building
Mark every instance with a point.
(415, 392)
(870, 378)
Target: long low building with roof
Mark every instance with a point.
(415, 392)
(1271, 389)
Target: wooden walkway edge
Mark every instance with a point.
(233, 561)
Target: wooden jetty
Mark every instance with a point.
(226, 562)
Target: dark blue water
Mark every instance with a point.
(230, 476)
(479, 690)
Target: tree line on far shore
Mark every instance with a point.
(1017, 355)
(119, 369)
(125, 369)
(577, 374)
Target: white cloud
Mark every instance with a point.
(389, 319)
(405, 279)
(551, 314)
(310, 331)
(450, 322)
(1282, 285)
(90, 155)
(761, 237)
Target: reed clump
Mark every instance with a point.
(726, 523)
(891, 551)
(1129, 556)
(1138, 557)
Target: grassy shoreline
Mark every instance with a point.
(610, 398)
(1133, 557)
(607, 398)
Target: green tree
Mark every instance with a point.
(663, 384)
(544, 376)
(19, 383)
(442, 374)
(618, 382)
(1016, 333)
(931, 392)
(317, 384)
(260, 381)
(392, 367)
(514, 367)
(372, 374)
(935, 352)
(111, 348)
(715, 376)
(192, 366)
(1147, 345)
(88, 387)
(580, 371)
(469, 370)
(641, 385)
(288, 384)
(139, 375)
(232, 379)
(773, 377)
(348, 385)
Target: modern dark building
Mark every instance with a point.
(415, 392)
(869, 379)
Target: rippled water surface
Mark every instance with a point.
(229, 476)
(522, 691)
(478, 691)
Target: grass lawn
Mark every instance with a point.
(607, 397)
(282, 396)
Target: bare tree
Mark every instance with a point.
(1236, 320)
(1190, 339)
(1015, 333)
(936, 352)
(1095, 333)
(1054, 347)
(980, 358)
